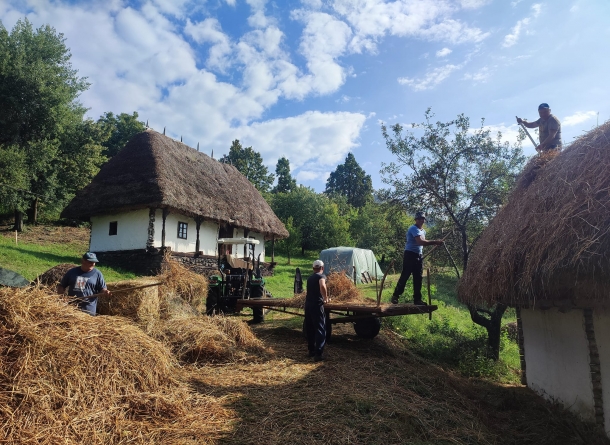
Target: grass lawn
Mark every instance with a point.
(41, 248)
(450, 339)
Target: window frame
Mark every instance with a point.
(116, 228)
(182, 230)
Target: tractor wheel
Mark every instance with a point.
(210, 303)
(258, 314)
(367, 327)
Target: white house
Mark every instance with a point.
(158, 194)
(547, 253)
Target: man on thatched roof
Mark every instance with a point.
(413, 260)
(315, 317)
(84, 283)
(549, 129)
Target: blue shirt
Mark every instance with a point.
(411, 245)
(82, 285)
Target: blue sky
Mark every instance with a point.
(311, 80)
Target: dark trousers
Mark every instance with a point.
(315, 326)
(412, 263)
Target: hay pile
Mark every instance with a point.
(208, 339)
(53, 276)
(69, 378)
(141, 305)
(181, 285)
(341, 289)
(552, 239)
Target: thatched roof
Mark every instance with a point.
(551, 241)
(153, 170)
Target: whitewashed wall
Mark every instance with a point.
(557, 358)
(208, 234)
(132, 231)
(601, 325)
(239, 248)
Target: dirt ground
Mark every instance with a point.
(374, 392)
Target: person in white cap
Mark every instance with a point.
(315, 317)
(84, 283)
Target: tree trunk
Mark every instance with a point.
(18, 221)
(288, 254)
(33, 211)
(492, 325)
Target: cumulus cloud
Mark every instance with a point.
(443, 52)
(431, 79)
(578, 118)
(210, 31)
(521, 26)
(480, 76)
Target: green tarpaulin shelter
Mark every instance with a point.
(348, 259)
(12, 279)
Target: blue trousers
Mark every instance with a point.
(315, 325)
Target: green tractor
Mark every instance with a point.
(239, 279)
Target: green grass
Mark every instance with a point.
(32, 259)
(450, 339)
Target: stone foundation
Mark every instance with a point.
(150, 263)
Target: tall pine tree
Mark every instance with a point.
(285, 182)
(250, 164)
(351, 181)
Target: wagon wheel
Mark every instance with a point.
(367, 327)
(258, 314)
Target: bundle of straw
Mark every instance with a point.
(141, 305)
(69, 378)
(208, 339)
(341, 289)
(184, 283)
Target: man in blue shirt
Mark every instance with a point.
(413, 262)
(84, 283)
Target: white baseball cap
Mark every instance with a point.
(317, 264)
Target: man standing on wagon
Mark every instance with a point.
(413, 262)
(315, 317)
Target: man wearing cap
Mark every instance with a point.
(83, 282)
(315, 317)
(549, 129)
(412, 262)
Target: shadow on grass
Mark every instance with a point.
(375, 392)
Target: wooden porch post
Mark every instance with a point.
(150, 240)
(198, 221)
(165, 213)
(273, 248)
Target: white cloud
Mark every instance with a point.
(443, 52)
(510, 133)
(473, 4)
(210, 31)
(373, 19)
(521, 26)
(432, 78)
(480, 76)
(578, 118)
(308, 176)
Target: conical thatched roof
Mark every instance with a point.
(552, 239)
(154, 170)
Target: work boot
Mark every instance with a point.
(420, 303)
(394, 299)
(319, 358)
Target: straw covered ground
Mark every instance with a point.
(69, 378)
(552, 239)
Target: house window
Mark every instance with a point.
(112, 229)
(182, 228)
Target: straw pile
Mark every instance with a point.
(53, 276)
(141, 305)
(208, 339)
(181, 284)
(341, 289)
(552, 239)
(69, 378)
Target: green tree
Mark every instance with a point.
(461, 177)
(38, 92)
(250, 164)
(315, 215)
(285, 182)
(351, 181)
(293, 242)
(121, 128)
